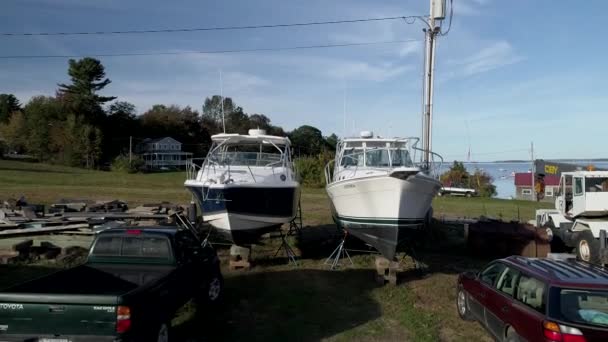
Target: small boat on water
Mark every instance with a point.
(246, 185)
(377, 192)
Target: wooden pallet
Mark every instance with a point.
(239, 265)
(386, 271)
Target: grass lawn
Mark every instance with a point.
(275, 301)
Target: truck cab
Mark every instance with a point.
(580, 218)
(583, 194)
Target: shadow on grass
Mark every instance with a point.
(318, 242)
(302, 305)
(24, 169)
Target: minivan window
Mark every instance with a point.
(491, 273)
(581, 306)
(508, 281)
(531, 292)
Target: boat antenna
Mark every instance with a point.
(222, 97)
(344, 110)
(466, 123)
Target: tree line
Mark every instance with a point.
(80, 127)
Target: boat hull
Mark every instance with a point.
(383, 211)
(243, 213)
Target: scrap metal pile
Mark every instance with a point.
(19, 218)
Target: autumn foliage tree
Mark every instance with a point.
(458, 176)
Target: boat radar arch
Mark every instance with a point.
(366, 134)
(256, 132)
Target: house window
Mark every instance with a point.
(549, 192)
(526, 191)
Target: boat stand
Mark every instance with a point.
(291, 254)
(239, 257)
(339, 253)
(420, 266)
(295, 226)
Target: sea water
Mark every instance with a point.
(502, 173)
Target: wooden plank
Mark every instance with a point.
(39, 231)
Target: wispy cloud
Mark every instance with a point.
(367, 72)
(469, 7)
(491, 57)
(413, 48)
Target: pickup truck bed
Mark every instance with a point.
(113, 297)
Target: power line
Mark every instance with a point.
(218, 28)
(134, 54)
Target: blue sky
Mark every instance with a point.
(509, 72)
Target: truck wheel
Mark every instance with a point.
(163, 333)
(587, 247)
(468, 194)
(462, 305)
(512, 336)
(440, 194)
(212, 291)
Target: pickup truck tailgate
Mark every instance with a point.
(48, 317)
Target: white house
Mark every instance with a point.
(163, 153)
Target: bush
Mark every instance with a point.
(121, 164)
(458, 176)
(312, 169)
(3, 149)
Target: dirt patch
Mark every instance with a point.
(437, 294)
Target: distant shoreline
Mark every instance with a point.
(594, 160)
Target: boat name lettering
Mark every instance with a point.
(6, 306)
(348, 186)
(104, 308)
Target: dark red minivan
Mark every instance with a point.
(531, 299)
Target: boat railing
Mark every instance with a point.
(329, 170)
(194, 165)
(433, 167)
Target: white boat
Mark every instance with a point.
(377, 193)
(246, 185)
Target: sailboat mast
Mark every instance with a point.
(222, 98)
(437, 13)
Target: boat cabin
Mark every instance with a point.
(255, 157)
(368, 156)
(368, 152)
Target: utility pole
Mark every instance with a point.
(534, 195)
(437, 13)
(130, 149)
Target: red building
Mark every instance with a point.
(524, 187)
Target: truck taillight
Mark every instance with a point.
(123, 319)
(561, 333)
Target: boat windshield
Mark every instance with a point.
(377, 157)
(247, 155)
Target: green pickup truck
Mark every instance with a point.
(133, 282)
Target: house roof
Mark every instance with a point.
(525, 179)
(241, 138)
(152, 141)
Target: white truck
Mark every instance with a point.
(580, 218)
(457, 191)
